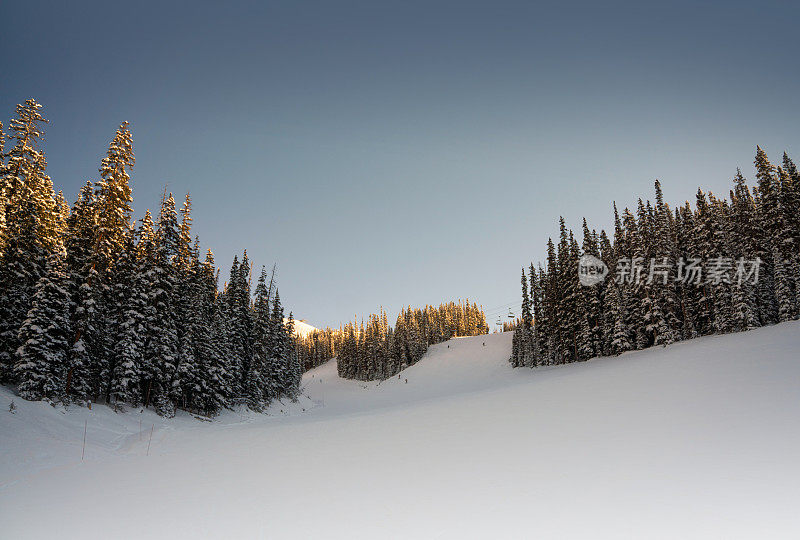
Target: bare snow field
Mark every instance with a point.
(697, 440)
(302, 328)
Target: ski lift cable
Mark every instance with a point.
(501, 306)
(500, 312)
(493, 312)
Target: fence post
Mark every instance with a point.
(151, 439)
(83, 451)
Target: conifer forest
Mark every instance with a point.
(723, 265)
(97, 307)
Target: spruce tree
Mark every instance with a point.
(44, 335)
(279, 366)
(743, 248)
(771, 221)
(114, 199)
(162, 348)
(3, 194)
(30, 228)
(130, 291)
(260, 388)
(295, 369)
(527, 318)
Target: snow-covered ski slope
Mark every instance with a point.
(302, 328)
(697, 440)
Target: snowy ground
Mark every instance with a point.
(302, 328)
(700, 439)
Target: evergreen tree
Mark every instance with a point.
(771, 220)
(30, 227)
(279, 349)
(742, 246)
(162, 345)
(45, 338)
(114, 199)
(3, 195)
(295, 369)
(527, 318)
(259, 385)
(130, 293)
(237, 297)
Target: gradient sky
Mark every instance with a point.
(404, 153)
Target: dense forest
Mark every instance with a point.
(374, 350)
(318, 347)
(726, 265)
(95, 308)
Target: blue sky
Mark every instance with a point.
(410, 152)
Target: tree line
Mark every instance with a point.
(726, 265)
(96, 308)
(374, 350)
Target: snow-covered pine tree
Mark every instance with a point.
(742, 247)
(346, 352)
(279, 350)
(130, 293)
(521, 338)
(237, 309)
(188, 383)
(688, 293)
(3, 194)
(784, 296)
(61, 215)
(648, 310)
(633, 308)
(537, 313)
(703, 248)
(606, 289)
(721, 266)
(189, 386)
(295, 370)
(591, 300)
(548, 277)
(31, 227)
(209, 348)
(619, 296)
(666, 323)
(771, 222)
(582, 333)
(220, 390)
(114, 199)
(80, 242)
(788, 247)
(791, 205)
(566, 316)
(41, 359)
(259, 386)
(527, 317)
(110, 229)
(162, 348)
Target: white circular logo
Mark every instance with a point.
(591, 270)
